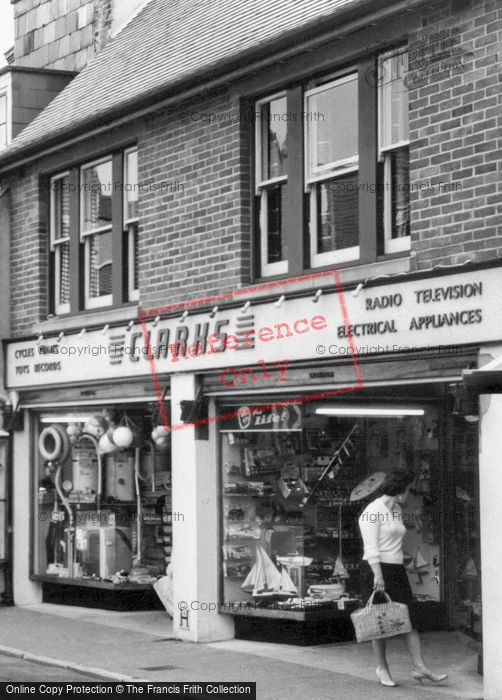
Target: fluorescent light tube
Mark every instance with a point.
(382, 411)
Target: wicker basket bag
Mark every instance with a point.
(380, 621)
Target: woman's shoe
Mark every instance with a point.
(429, 676)
(384, 677)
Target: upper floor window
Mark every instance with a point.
(94, 234)
(3, 120)
(332, 157)
(131, 220)
(332, 170)
(272, 182)
(393, 149)
(60, 241)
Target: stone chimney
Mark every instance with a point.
(103, 13)
(61, 34)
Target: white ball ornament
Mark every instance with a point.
(123, 437)
(96, 426)
(106, 445)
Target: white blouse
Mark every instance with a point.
(382, 531)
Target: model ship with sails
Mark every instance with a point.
(265, 581)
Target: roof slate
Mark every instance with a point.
(168, 43)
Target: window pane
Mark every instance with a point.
(100, 265)
(274, 130)
(133, 257)
(131, 186)
(333, 123)
(3, 120)
(393, 98)
(275, 223)
(97, 196)
(337, 213)
(400, 188)
(63, 273)
(61, 203)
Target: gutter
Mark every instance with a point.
(177, 92)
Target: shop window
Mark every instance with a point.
(94, 247)
(315, 195)
(3, 497)
(465, 541)
(103, 495)
(290, 542)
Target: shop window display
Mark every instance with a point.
(465, 544)
(103, 493)
(294, 483)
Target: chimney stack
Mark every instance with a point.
(61, 34)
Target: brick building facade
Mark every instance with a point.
(206, 220)
(454, 132)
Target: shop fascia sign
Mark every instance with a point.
(412, 316)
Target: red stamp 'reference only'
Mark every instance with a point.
(207, 346)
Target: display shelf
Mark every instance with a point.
(91, 583)
(309, 613)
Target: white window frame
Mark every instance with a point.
(85, 237)
(130, 224)
(55, 244)
(391, 245)
(5, 92)
(317, 174)
(261, 188)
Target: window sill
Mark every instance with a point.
(90, 317)
(349, 274)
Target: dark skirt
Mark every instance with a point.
(397, 585)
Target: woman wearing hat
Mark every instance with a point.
(383, 530)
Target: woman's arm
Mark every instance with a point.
(379, 583)
(369, 524)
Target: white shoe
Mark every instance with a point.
(384, 677)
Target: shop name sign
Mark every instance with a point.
(454, 309)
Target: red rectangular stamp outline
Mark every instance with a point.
(145, 314)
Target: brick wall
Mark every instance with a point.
(456, 133)
(195, 236)
(28, 253)
(194, 239)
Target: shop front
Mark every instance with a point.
(92, 479)
(311, 398)
(296, 474)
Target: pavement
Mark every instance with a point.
(139, 646)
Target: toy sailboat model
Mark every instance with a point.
(266, 581)
(418, 562)
(470, 570)
(339, 569)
